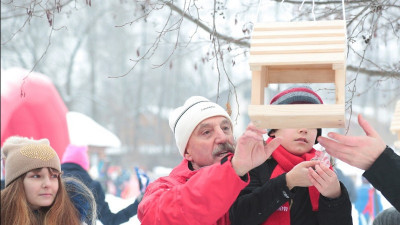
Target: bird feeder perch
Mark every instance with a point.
(298, 52)
(395, 125)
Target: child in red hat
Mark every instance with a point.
(290, 188)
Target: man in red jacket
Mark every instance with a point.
(204, 185)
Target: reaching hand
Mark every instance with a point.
(250, 150)
(359, 151)
(298, 176)
(325, 180)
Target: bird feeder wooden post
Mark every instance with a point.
(298, 52)
(395, 125)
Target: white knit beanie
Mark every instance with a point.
(183, 120)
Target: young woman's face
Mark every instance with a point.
(41, 187)
(297, 141)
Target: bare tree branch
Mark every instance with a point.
(244, 42)
(373, 73)
(43, 9)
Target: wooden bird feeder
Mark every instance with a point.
(395, 125)
(298, 52)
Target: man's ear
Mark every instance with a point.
(187, 156)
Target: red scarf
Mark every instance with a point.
(286, 162)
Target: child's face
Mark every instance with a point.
(297, 141)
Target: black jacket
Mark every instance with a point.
(263, 196)
(384, 175)
(103, 210)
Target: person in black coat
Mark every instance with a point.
(75, 163)
(291, 187)
(369, 153)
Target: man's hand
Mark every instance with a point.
(250, 150)
(359, 151)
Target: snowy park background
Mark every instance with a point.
(120, 67)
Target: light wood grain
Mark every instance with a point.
(297, 116)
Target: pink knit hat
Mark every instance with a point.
(76, 154)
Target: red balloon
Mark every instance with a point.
(31, 107)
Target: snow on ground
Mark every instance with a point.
(116, 204)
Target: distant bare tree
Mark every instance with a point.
(370, 22)
(181, 47)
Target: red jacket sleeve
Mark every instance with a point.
(203, 199)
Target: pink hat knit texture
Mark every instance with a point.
(76, 154)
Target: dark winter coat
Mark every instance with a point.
(263, 196)
(81, 201)
(384, 175)
(103, 210)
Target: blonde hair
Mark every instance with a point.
(15, 208)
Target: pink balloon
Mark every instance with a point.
(31, 107)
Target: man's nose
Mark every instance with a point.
(221, 136)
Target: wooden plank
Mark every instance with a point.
(297, 41)
(301, 67)
(259, 50)
(340, 83)
(299, 25)
(397, 143)
(255, 67)
(396, 118)
(297, 34)
(300, 76)
(258, 81)
(395, 128)
(297, 116)
(296, 59)
(395, 124)
(339, 66)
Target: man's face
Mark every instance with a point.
(297, 141)
(210, 141)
